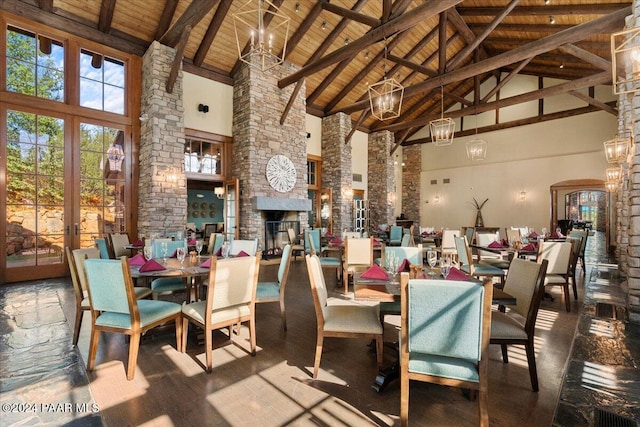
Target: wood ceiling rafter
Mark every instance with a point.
(299, 34)
(350, 14)
(107, 7)
(387, 7)
(594, 8)
(442, 43)
(212, 30)
(586, 56)
(506, 79)
(462, 28)
(608, 22)
(177, 59)
(194, 13)
(165, 18)
(598, 104)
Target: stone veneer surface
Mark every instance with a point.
(382, 180)
(258, 105)
(412, 160)
(162, 201)
(337, 169)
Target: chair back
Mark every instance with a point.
(358, 251)
(468, 233)
(411, 253)
(209, 229)
(352, 235)
(582, 234)
(576, 245)
(513, 235)
(172, 246)
(484, 239)
(77, 258)
(406, 240)
(108, 290)
(103, 247)
(318, 287)
(464, 252)
(118, 241)
(312, 241)
(232, 282)
(448, 237)
(248, 246)
(444, 317)
(283, 269)
(525, 282)
(216, 240)
(395, 234)
(558, 254)
(291, 234)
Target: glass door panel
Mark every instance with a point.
(35, 202)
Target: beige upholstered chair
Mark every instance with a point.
(248, 246)
(118, 241)
(231, 297)
(525, 282)
(358, 254)
(296, 247)
(558, 254)
(342, 321)
(448, 246)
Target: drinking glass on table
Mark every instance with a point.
(181, 253)
(148, 252)
(432, 259)
(445, 266)
(391, 263)
(165, 250)
(199, 246)
(225, 249)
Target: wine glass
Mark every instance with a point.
(165, 251)
(225, 249)
(199, 246)
(181, 254)
(445, 266)
(432, 259)
(148, 251)
(392, 264)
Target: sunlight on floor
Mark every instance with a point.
(546, 319)
(597, 375)
(601, 328)
(518, 355)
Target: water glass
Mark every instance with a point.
(445, 266)
(148, 251)
(164, 249)
(181, 253)
(199, 246)
(432, 258)
(225, 249)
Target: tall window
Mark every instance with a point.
(101, 82)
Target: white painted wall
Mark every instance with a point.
(359, 159)
(314, 127)
(219, 98)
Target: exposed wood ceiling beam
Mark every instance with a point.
(442, 43)
(308, 21)
(386, 10)
(609, 22)
(594, 8)
(399, 7)
(350, 14)
(598, 104)
(165, 18)
(469, 48)
(212, 30)
(106, 15)
(519, 28)
(413, 66)
(177, 59)
(363, 116)
(586, 56)
(194, 13)
(461, 27)
(46, 5)
(511, 43)
(596, 79)
(207, 71)
(395, 25)
(292, 98)
(45, 42)
(506, 80)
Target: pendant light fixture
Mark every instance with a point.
(442, 129)
(385, 97)
(477, 148)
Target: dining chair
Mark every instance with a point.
(395, 235)
(274, 291)
(248, 246)
(114, 308)
(558, 254)
(513, 236)
(415, 256)
(406, 240)
(296, 247)
(216, 240)
(312, 247)
(345, 320)
(469, 233)
(118, 241)
(231, 298)
(525, 282)
(486, 257)
(79, 285)
(352, 235)
(448, 245)
(477, 269)
(573, 265)
(172, 246)
(358, 255)
(103, 247)
(445, 329)
(584, 234)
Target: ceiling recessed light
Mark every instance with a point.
(552, 20)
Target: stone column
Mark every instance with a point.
(162, 188)
(382, 180)
(337, 169)
(412, 160)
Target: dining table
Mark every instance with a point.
(189, 270)
(388, 290)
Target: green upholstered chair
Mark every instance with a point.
(114, 308)
(231, 296)
(103, 247)
(274, 291)
(415, 256)
(167, 285)
(345, 320)
(467, 265)
(395, 235)
(516, 326)
(445, 336)
(216, 240)
(312, 243)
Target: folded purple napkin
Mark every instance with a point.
(336, 240)
(529, 247)
(404, 266)
(242, 253)
(138, 243)
(495, 244)
(533, 235)
(137, 259)
(206, 264)
(192, 242)
(455, 274)
(174, 254)
(556, 235)
(374, 272)
(219, 252)
(151, 265)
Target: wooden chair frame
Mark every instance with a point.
(283, 274)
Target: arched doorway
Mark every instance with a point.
(586, 203)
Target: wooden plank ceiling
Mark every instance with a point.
(340, 47)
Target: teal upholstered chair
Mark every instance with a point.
(172, 246)
(525, 282)
(414, 255)
(167, 285)
(103, 247)
(395, 235)
(467, 265)
(274, 291)
(114, 308)
(312, 247)
(216, 240)
(445, 336)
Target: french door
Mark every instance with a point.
(65, 184)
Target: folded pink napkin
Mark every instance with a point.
(374, 272)
(455, 274)
(137, 259)
(192, 242)
(533, 235)
(529, 247)
(138, 243)
(556, 235)
(495, 244)
(151, 265)
(404, 266)
(219, 252)
(206, 264)
(336, 240)
(174, 254)
(242, 253)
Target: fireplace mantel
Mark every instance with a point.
(262, 203)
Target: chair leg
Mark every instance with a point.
(283, 314)
(77, 325)
(179, 333)
(483, 408)
(505, 353)
(345, 280)
(379, 350)
(575, 288)
(134, 345)
(185, 333)
(93, 348)
(567, 300)
(533, 371)
(316, 363)
(252, 335)
(404, 400)
(208, 348)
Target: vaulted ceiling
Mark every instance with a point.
(339, 45)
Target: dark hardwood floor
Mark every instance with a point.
(275, 387)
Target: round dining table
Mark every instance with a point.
(189, 270)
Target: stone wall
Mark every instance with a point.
(412, 160)
(337, 171)
(382, 180)
(162, 201)
(258, 105)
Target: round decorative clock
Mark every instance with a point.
(281, 173)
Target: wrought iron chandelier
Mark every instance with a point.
(385, 97)
(264, 45)
(442, 129)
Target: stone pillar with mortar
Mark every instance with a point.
(412, 161)
(162, 187)
(337, 172)
(381, 179)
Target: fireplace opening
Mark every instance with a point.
(275, 232)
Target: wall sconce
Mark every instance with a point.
(219, 192)
(617, 149)
(522, 195)
(611, 186)
(614, 174)
(203, 108)
(436, 199)
(625, 60)
(348, 192)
